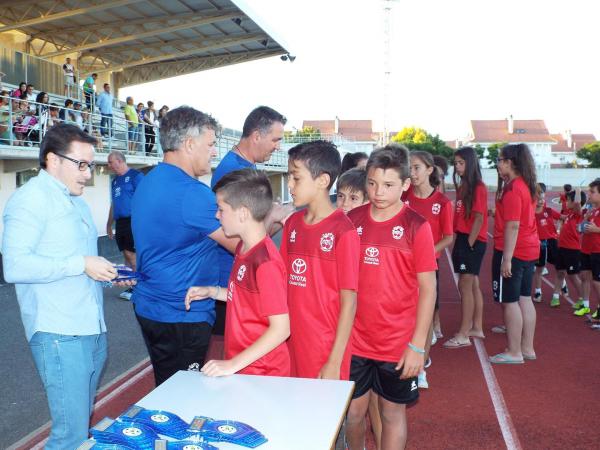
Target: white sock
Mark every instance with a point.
(538, 291)
(586, 303)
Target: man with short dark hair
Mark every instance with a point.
(69, 73)
(122, 188)
(105, 106)
(50, 253)
(261, 136)
(149, 117)
(175, 229)
(89, 90)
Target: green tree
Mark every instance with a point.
(493, 151)
(304, 135)
(418, 139)
(480, 151)
(590, 152)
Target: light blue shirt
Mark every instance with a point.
(47, 232)
(105, 103)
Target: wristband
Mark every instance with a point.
(416, 349)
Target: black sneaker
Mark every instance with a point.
(565, 290)
(537, 297)
(427, 363)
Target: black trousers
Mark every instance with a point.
(175, 346)
(150, 139)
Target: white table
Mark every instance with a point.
(293, 413)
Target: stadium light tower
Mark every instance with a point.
(387, 66)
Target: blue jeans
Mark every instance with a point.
(106, 125)
(70, 367)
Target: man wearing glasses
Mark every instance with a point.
(50, 253)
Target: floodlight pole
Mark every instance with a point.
(387, 70)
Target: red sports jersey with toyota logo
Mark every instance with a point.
(590, 242)
(321, 260)
(436, 209)
(545, 223)
(569, 237)
(257, 290)
(392, 254)
(462, 224)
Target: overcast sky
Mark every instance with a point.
(452, 61)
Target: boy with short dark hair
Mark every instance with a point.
(320, 248)
(396, 300)
(351, 189)
(257, 322)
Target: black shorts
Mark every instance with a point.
(123, 234)
(466, 259)
(509, 290)
(569, 260)
(585, 261)
(541, 262)
(595, 260)
(384, 379)
(552, 251)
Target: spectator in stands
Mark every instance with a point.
(132, 124)
(149, 125)
(22, 122)
(5, 123)
(105, 105)
(89, 90)
(41, 101)
(53, 260)
(22, 89)
(53, 118)
(69, 72)
(65, 113)
(162, 112)
(139, 109)
(173, 218)
(77, 115)
(31, 97)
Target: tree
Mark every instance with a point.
(304, 135)
(418, 139)
(590, 152)
(480, 151)
(492, 153)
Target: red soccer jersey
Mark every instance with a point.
(563, 203)
(321, 260)
(464, 225)
(257, 290)
(436, 209)
(392, 254)
(545, 223)
(569, 236)
(590, 242)
(516, 204)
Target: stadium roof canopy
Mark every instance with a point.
(142, 40)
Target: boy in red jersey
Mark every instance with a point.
(397, 297)
(590, 248)
(545, 217)
(320, 249)
(569, 249)
(257, 322)
(351, 189)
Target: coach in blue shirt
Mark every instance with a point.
(50, 253)
(261, 136)
(176, 235)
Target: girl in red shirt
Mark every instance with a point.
(516, 249)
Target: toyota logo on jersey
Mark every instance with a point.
(241, 272)
(397, 232)
(372, 252)
(371, 256)
(327, 242)
(436, 208)
(299, 266)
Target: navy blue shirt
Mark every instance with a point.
(122, 189)
(231, 162)
(173, 215)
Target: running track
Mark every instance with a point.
(550, 403)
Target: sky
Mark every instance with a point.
(451, 62)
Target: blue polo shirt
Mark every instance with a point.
(172, 216)
(230, 162)
(122, 189)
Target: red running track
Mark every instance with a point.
(550, 403)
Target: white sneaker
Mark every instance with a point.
(544, 271)
(126, 295)
(422, 380)
(433, 339)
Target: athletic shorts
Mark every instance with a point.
(466, 259)
(123, 234)
(585, 260)
(508, 290)
(595, 260)
(569, 260)
(384, 379)
(552, 250)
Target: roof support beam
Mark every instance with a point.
(133, 37)
(67, 14)
(218, 43)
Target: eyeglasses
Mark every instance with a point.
(501, 159)
(82, 165)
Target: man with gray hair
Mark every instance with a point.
(122, 188)
(176, 235)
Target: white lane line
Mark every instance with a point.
(509, 433)
(31, 436)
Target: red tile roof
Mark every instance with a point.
(358, 130)
(578, 141)
(497, 131)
